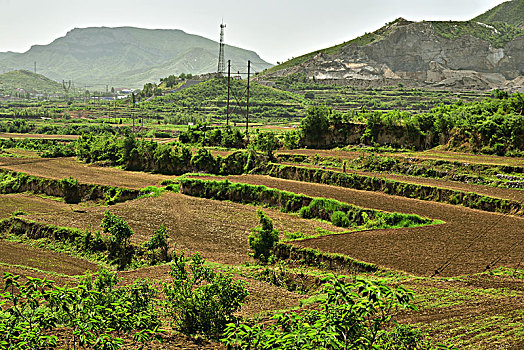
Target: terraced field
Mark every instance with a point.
(416, 250)
(460, 304)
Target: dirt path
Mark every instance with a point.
(469, 239)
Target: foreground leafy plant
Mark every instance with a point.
(351, 316)
(95, 311)
(200, 300)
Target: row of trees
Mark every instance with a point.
(488, 126)
(174, 158)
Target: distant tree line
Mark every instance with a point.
(491, 126)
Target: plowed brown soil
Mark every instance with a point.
(13, 253)
(30, 204)
(416, 250)
(218, 230)
(59, 168)
(497, 192)
(429, 154)
(469, 239)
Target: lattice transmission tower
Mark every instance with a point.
(221, 62)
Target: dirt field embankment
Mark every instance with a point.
(469, 239)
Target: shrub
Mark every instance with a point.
(120, 232)
(356, 316)
(199, 300)
(157, 246)
(263, 238)
(305, 212)
(339, 218)
(71, 190)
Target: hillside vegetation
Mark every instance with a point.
(509, 12)
(498, 33)
(210, 98)
(29, 82)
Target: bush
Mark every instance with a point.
(157, 246)
(71, 190)
(339, 218)
(119, 251)
(199, 300)
(356, 316)
(263, 238)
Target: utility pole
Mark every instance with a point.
(228, 89)
(239, 97)
(35, 67)
(247, 99)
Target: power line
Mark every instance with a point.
(508, 251)
(447, 263)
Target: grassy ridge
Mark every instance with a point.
(69, 189)
(340, 214)
(510, 12)
(498, 34)
(368, 183)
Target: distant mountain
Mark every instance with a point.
(469, 54)
(11, 82)
(126, 56)
(510, 12)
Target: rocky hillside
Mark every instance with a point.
(126, 56)
(468, 54)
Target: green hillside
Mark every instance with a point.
(497, 33)
(209, 99)
(29, 82)
(510, 12)
(126, 56)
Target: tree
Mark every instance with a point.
(120, 233)
(157, 245)
(267, 142)
(200, 300)
(263, 238)
(315, 124)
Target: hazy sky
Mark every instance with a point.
(276, 29)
